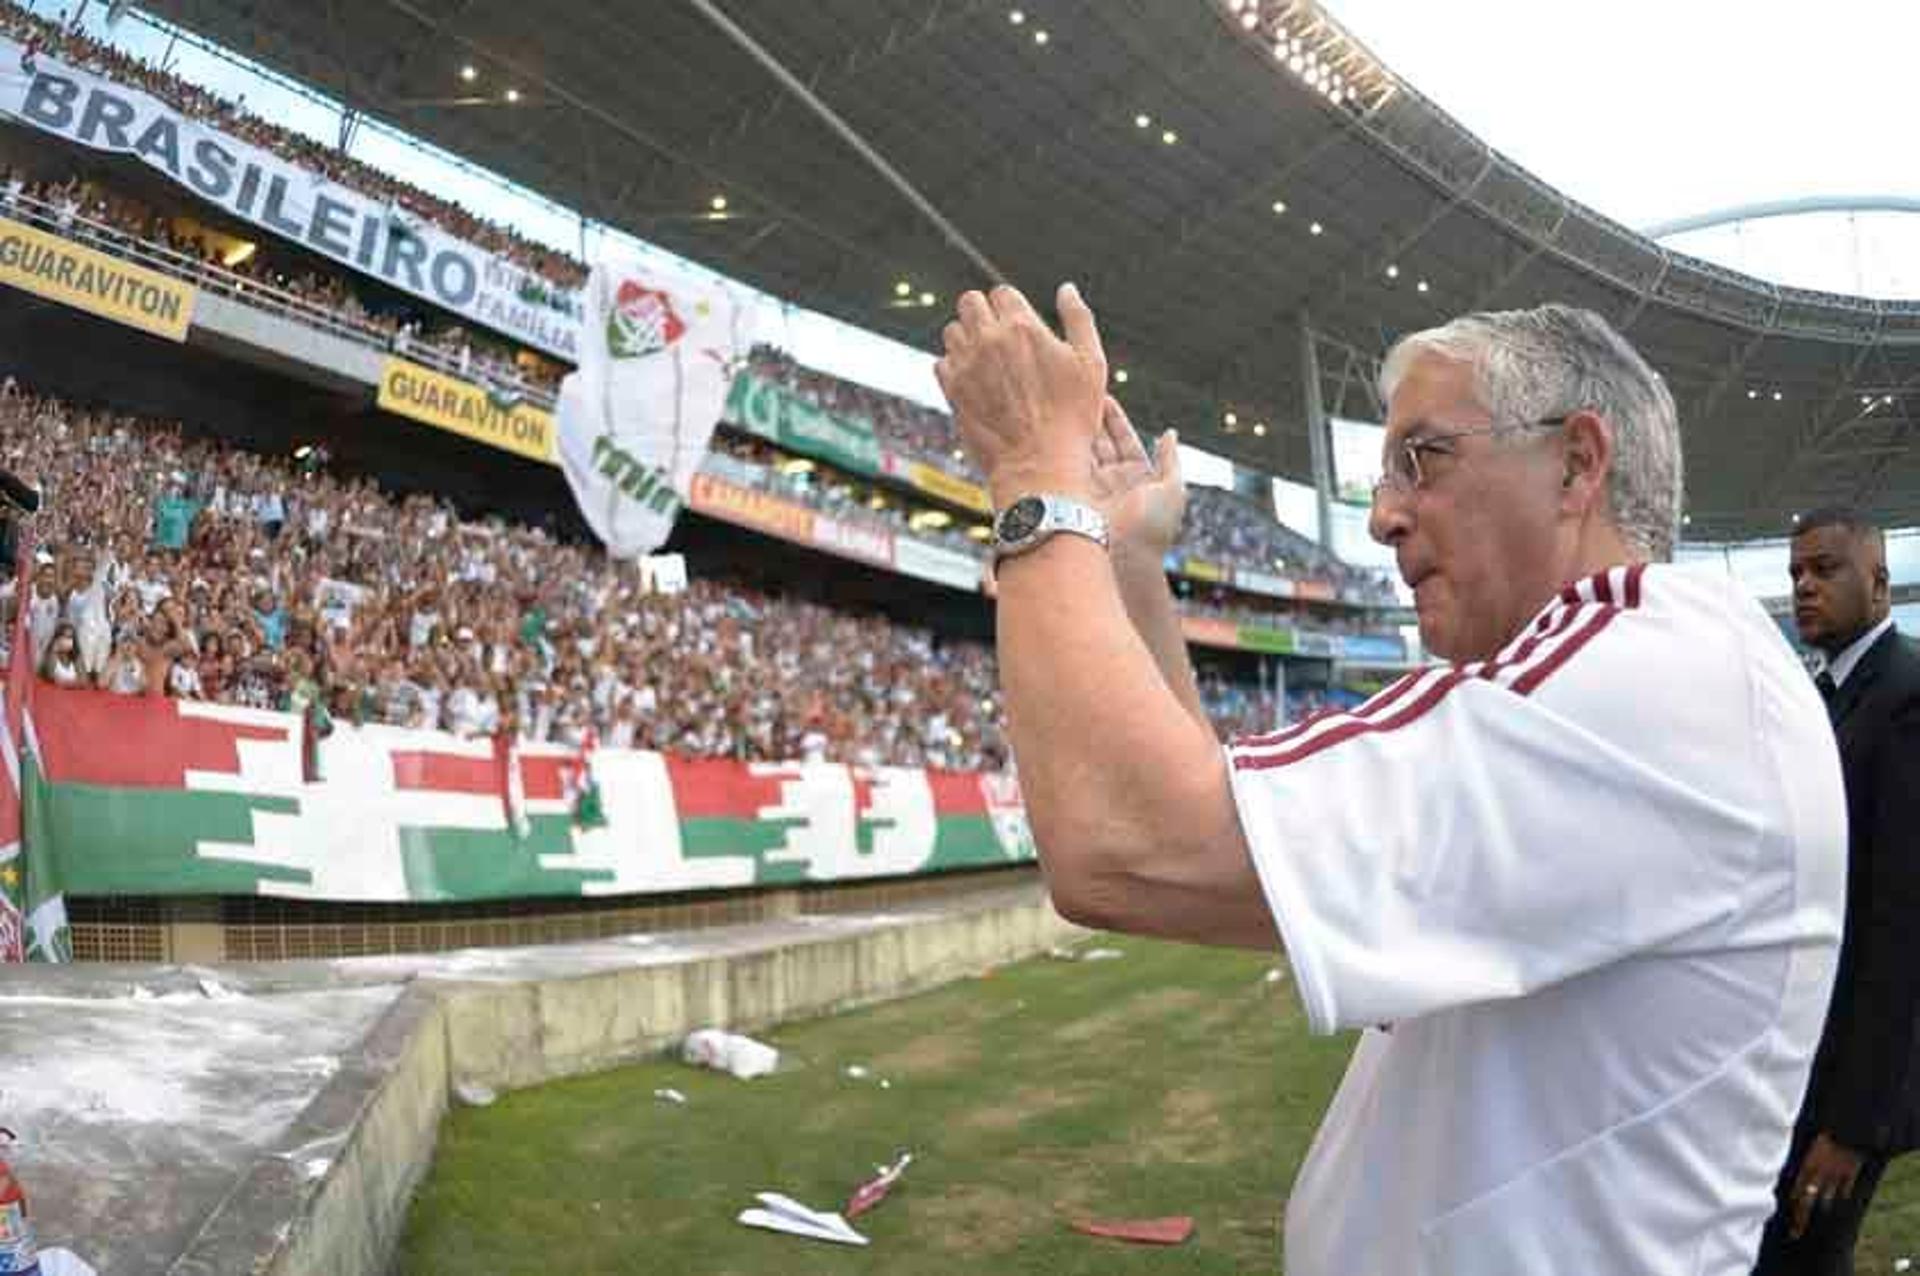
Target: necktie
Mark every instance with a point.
(1829, 691)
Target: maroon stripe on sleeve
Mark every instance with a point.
(1360, 726)
(1298, 751)
(1562, 621)
(1532, 678)
(1579, 622)
(1398, 688)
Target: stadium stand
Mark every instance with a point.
(1222, 527)
(174, 566)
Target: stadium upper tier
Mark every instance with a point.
(1186, 161)
(184, 239)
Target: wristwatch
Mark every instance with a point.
(1032, 519)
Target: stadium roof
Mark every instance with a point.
(638, 114)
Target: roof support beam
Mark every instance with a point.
(1819, 429)
(1319, 430)
(1881, 470)
(1485, 296)
(856, 58)
(1012, 170)
(1369, 266)
(846, 133)
(623, 127)
(386, 88)
(1649, 292)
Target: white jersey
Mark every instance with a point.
(1586, 898)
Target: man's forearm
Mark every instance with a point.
(1149, 604)
(1125, 789)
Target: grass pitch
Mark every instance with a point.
(1171, 1080)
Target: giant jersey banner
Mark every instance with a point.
(148, 796)
(373, 237)
(635, 418)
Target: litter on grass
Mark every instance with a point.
(875, 1189)
(1143, 1231)
(474, 1095)
(730, 1052)
(667, 1094)
(1059, 953)
(784, 1214)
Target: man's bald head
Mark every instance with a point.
(1839, 572)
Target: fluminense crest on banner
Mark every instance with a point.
(657, 356)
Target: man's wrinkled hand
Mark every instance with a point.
(1143, 497)
(1027, 403)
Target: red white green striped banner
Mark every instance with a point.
(145, 796)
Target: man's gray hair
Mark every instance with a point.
(1530, 365)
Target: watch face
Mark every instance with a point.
(1021, 519)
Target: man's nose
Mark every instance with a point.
(1389, 520)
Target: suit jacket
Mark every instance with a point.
(1865, 1086)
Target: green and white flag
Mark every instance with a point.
(33, 911)
(657, 355)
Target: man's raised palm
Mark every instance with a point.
(1142, 497)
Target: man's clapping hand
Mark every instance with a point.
(1142, 496)
(1028, 404)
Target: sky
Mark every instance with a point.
(1649, 110)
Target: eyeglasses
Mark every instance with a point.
(1403, 473)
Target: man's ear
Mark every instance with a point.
(1586, 456)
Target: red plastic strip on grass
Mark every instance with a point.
(1145, 1231)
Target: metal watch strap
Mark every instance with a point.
(1056, 514)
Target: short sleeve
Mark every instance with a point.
(1464, 838)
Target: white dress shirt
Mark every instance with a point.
(1843, 664)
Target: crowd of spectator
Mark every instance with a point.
(1241, 709)
(1226, 527)
(910, 428)
(38, 34)
(760, 465)
(171, 566)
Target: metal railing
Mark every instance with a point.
(211, 277)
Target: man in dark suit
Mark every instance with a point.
(1864, 1095)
